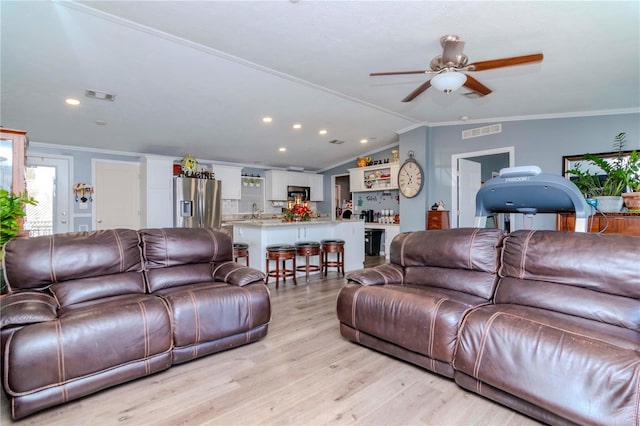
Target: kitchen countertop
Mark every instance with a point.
(279, 222)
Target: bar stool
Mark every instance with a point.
(241, 250)
(308, 249)
(281, 252)
(332, 246)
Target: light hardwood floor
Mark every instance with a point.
(302, 373)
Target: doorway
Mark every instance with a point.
(341, 199)
(469, 171)
(117, 194)
(48, 182)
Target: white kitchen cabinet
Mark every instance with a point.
(156, 181)
(316, 182)
(278, 180)
(380, 177)
(356, 179)
(276, 185)
(231, 177)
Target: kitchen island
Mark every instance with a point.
(261, 233)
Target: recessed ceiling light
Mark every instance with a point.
(72, 101)
(322, 132)
(282, 149)
(464, 117)
(364, 140)
(267, 119)
(297, 126)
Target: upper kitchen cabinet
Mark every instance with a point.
(278, 180)
(13, 145)
(374, 178)
(316, 182)
(231, 177)
(276, 185)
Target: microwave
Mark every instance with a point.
(301, 192)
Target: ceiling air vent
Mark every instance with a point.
(336, 142)
(95, 94)
(482, 131)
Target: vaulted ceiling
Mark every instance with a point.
(198, 77)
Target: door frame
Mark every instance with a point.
(510, 150)
(333, 194)
(70, 174)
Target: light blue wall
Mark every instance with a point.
(413, 210)
(536, 142)
(81, 171)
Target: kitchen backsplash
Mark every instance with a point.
(376, 201)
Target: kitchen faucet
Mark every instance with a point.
(255, 212)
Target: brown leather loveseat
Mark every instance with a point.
(87, 311)
(555, 336)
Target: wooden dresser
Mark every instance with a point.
(612, 223)
(437, 219)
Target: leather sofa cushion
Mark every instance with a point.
(112, 333)
(420, 319)
(563, 272)
(175, 276)
(38, 262)
(457, 248)
(556, 361)
(236, 274)
(476, 283)
(180, 246)
(27, 307)
(209, 311)
(575, 259)
(96, 288)
(462, 259)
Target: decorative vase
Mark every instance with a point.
(609, 204)
(632, 201)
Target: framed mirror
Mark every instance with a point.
(571, 161)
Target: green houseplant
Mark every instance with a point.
(622, 173)
(11, 214)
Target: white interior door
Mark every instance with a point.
(48, 181)
(117, 195)
(469, 182)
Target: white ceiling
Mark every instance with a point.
(197, 77)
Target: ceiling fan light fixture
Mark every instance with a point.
(448, 81)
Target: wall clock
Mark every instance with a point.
(410, 177)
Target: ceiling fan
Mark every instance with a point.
(449, 68)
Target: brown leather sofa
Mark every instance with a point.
(558, 338)
(87, 311)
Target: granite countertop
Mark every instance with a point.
(279, 222)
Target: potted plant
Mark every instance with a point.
(622, 174)
(11, 214)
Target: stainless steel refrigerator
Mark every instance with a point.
(196, 202)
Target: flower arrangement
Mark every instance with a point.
(298, 212)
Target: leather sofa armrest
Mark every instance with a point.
(27, 307)
(236, 274)
(382, 274)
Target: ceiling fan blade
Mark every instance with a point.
(476, 86)
(411, 96)
(374, 74)
(452, 52)
(505, 62)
